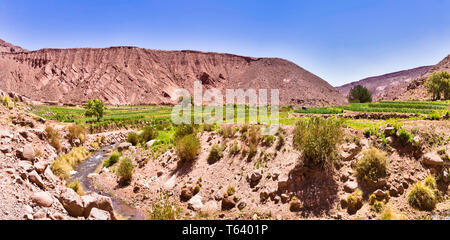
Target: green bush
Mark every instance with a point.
(235, 149)
(111, 160)
(6, 101)
(354, 201)
(148, 133)
(125, 170)
(422, 197)
(227, 131)
(318, 138)
(267, 140)
(404, 136)
(188, 147)
(215, 154)
(133, 138)
(53, 138)
(77, 187)
(164, 209)
(183, 130)
(373, 165)
(359, 94)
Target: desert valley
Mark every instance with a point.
(64, 155)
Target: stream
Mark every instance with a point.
(87, 167)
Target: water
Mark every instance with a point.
(87, 167)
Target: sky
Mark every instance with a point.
(339, 40)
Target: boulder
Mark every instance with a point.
(25, 166)
(98, 214)
(195, 203)
(95, 200)
(380, 194)
(284, 198)
(72, 202)
(350, 186)
(170, 184)
(123, 146)
(150, 143)
(42, 199)
(388, 131)
(187, 192)
(28, 153)
(255, 176)
(36, 179)
(445, 177)
(432, 159)
(40, 167)
(228, 203)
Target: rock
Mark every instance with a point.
(28, 153)
(228, 203)
(350, 186)
(5, 149)
(432, 159)
(263, 196)
(255, 176)
(73, 172)
(283, 183)
(26, 166)
(40, 167)
(242, 205)
(159, 173)
(344, 203)
(72, 202)
(150, 143)
(349, 151)
(93, 175)
(218, 196)
(187, 192)
(98, 214)
(284, 198)
(9, 171)
(95, 200)
(445, 176)
(276, 199)
(388, 131)
(42, 199)
(380, 193)
(170, 184)
(195, 203)
(295, 205)
(36, 179)
(123, 146)
(210, 206)
(40, 215)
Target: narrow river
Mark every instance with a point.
(87, 167)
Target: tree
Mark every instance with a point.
(438, 84)
(360, 94)
(95, 108)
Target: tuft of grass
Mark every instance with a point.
(280, 143)
(53, 138)
(112, 159)
(65, 163)
(318, 138)
(164, 209)
(354, 201)
(76, 132)
(231, 191)
(133, 138)
(125, 170)
(422, 197)
(187, 148)
(215, 154)
(77, 187)
(148, 133)
(227, 131)
(235, 149)
(389, 214)
(373, 165)
(7, 102)
(267, 140)
(183, 130)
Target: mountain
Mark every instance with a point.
(387, 86)
(9, 48)
(132, 75)
(416, 89)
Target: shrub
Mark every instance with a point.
(438, 84)
(6, 101)
(133, 138)
(77, 187)
(148, 133)
(65, 163)
(227, 131)
(183, 130)
(53, 138)
(207, 127)
(252, 150)
(373, 165)
(317, 138)
(231, 191)
(422, 197)
(354, 201)
(267, 140)
(215, 154)
(125, 170)
(111, 160)
(404, 136)
(164, 209)
(281, 141)
(359, 94)
(389, 214)
(188, 147)
(244, 128)
(235, 149)
(76, 132)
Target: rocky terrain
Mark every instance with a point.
(416, 89)
(388, 86)
(131, 75)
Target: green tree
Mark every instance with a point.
(95, 108)
(438, 84)
(360, 94)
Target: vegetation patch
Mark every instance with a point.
(373, 165)
(164, 209)
(77, 187)
(53, 138)
(65, 163)
(188, 147)
(424, 196)
(215, 154)
(125, 170)
(112, 159)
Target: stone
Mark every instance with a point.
(98, 214)
(445, 177)
(9, 170)
(432, 159)
(210, 206)
(228, 203)
(42, 199)
(170, 184)
(187, 192)
(5, 149)
(218, 196)
(123, 146)
(242, 205)
(256, 176)
(93, 175)
(150, 143)
(36, 179)
(350, 186)
(295, 205)
(28, 153)
(26, 166)
(40, 167)
(263, 196)
(94, 200)
(72, 202)
(284, 198)
(40, 215)
(380, 193)
(388, 131)
(195, 203)
(276, 199)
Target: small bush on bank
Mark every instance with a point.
(77, 187)
(318, 138)
(354, 201)
(76, 132)
(424, 196)
(267, 140)
(389, 214)
(227, 131)
(215, 154)
(148, 133)
(65, 163)
(188, 147)
(133, 138)
(252, 150)
(231, 191)
(53, 138)
(235, 149)
(111, 160)
(373, 165)
(183, 130)
(404, 136)
(7, 102)
(125, 170)
(164, 209)
(254, 135)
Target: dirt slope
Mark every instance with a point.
(387, 86)
(131, 75)
(416, 89)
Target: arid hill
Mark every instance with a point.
(131, 75)
(387, 86)
(416, 89)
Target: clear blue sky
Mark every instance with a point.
(339, 40)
